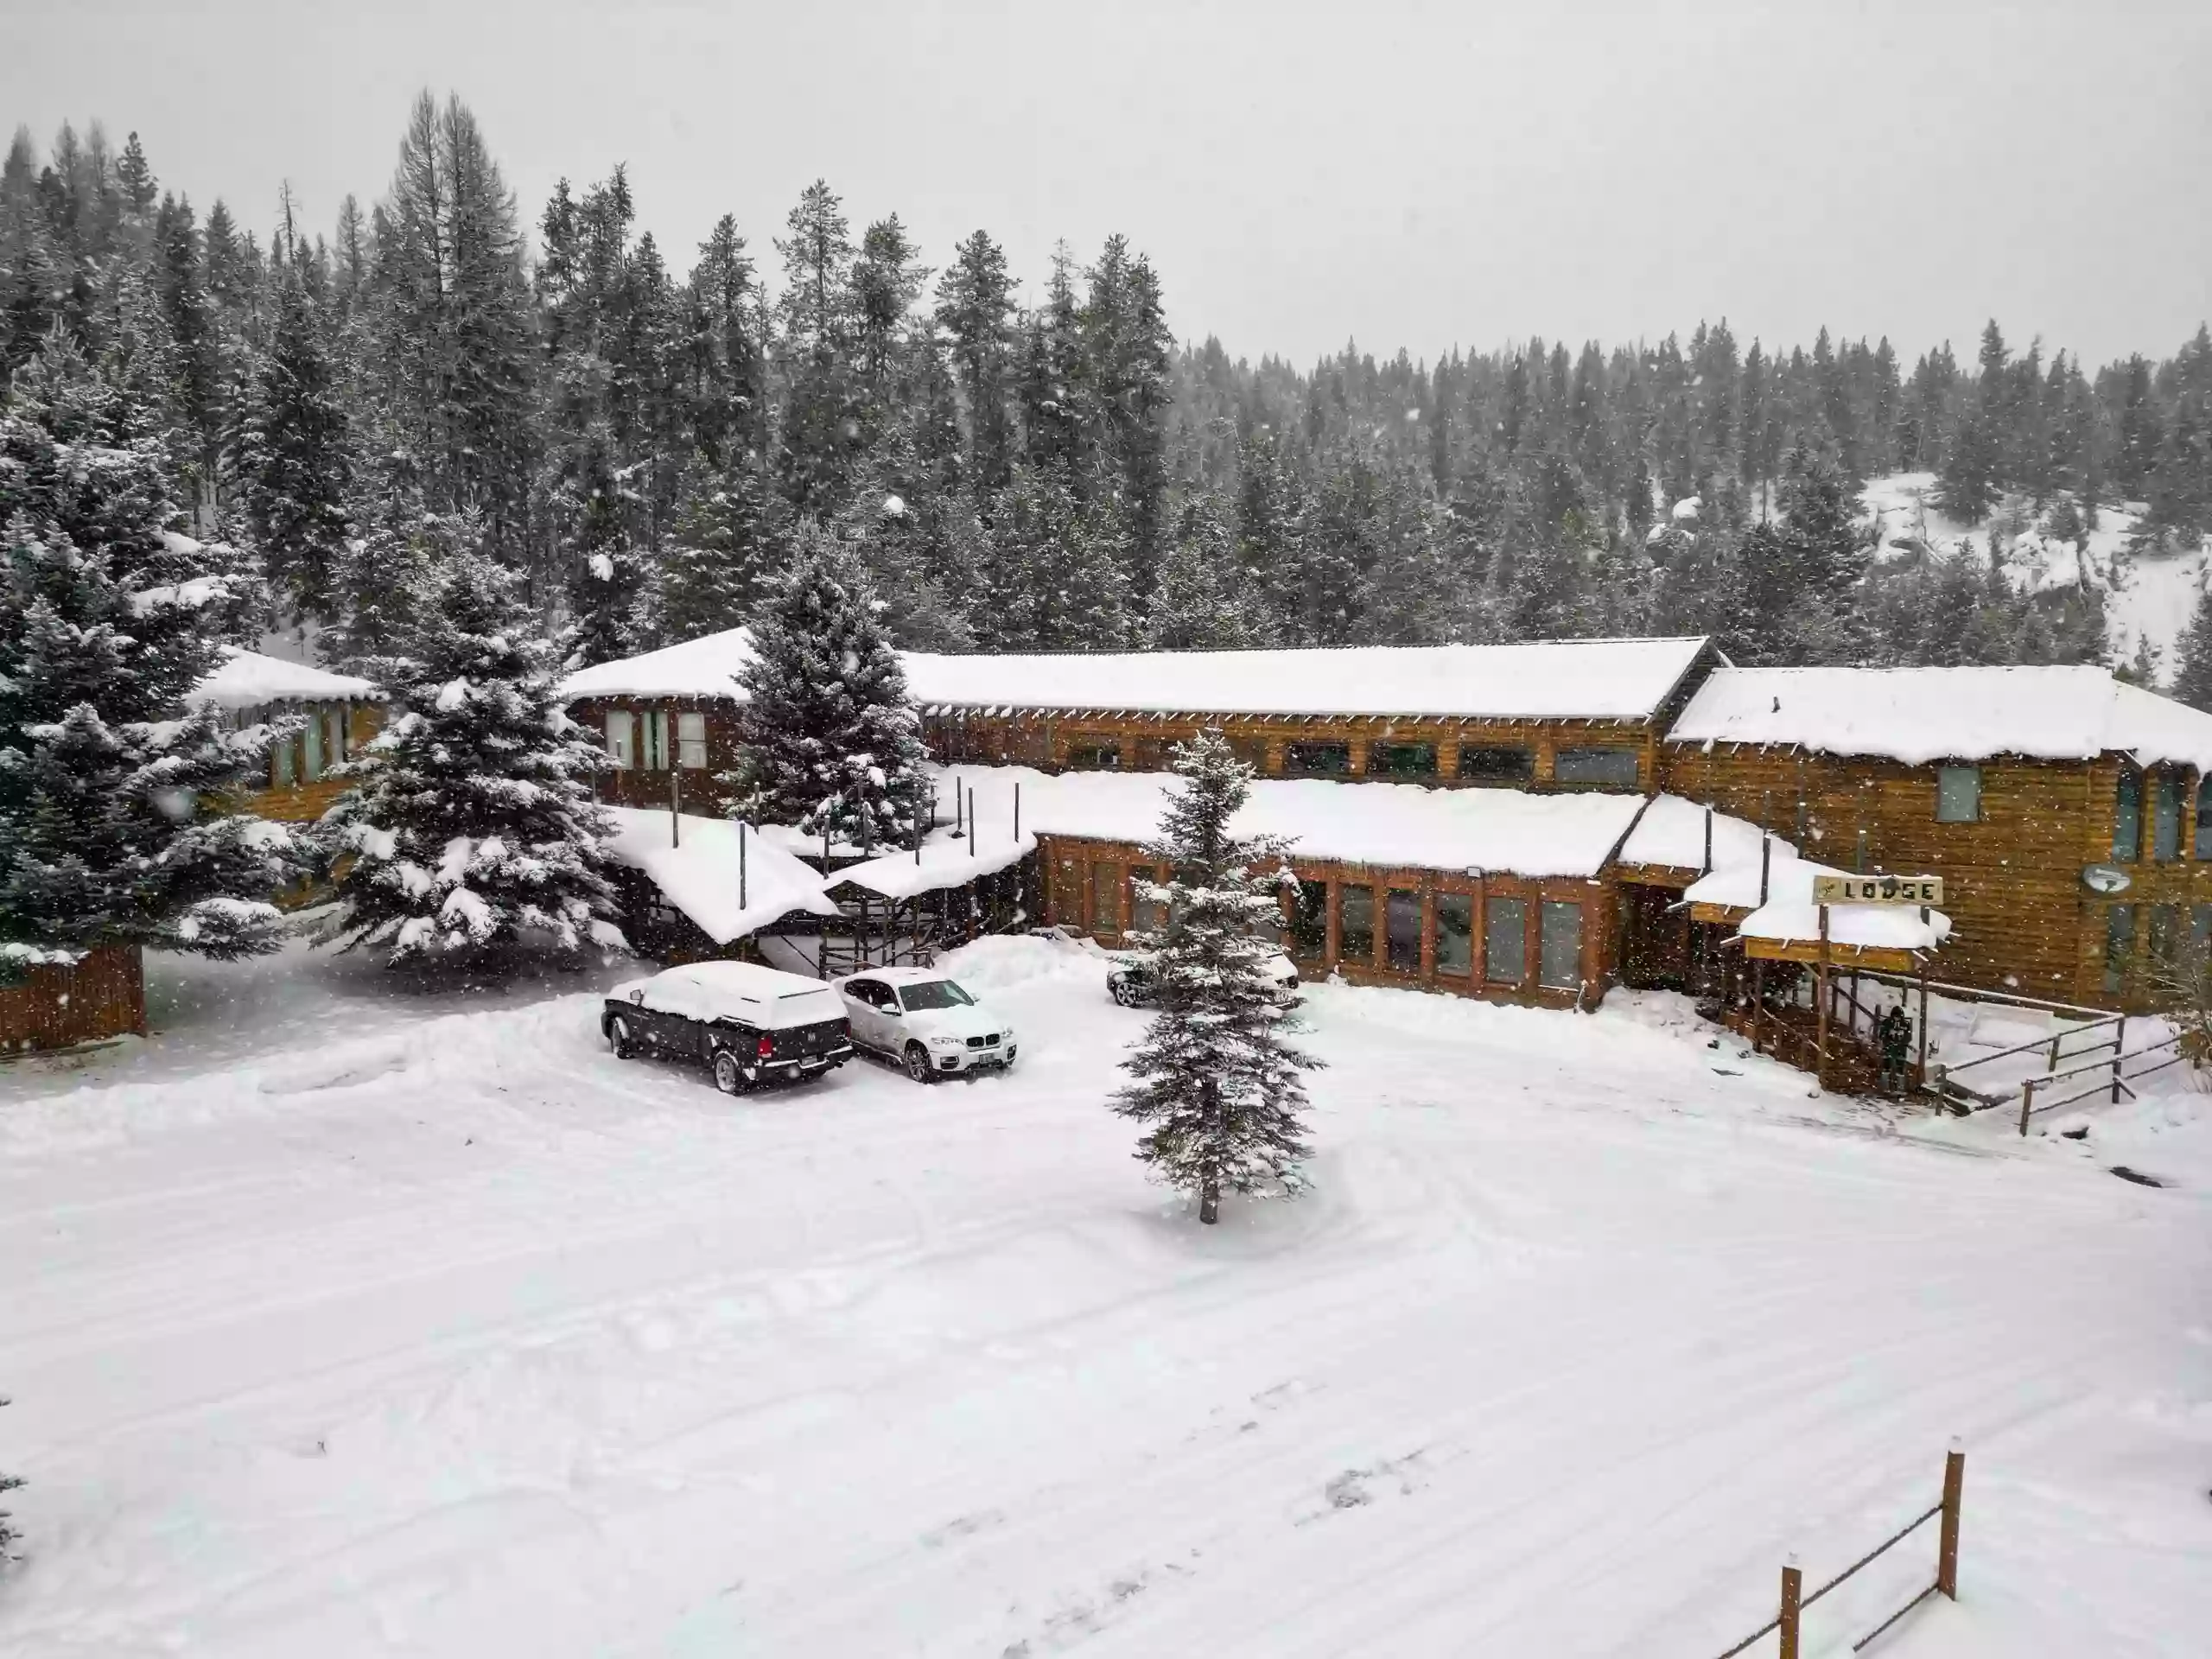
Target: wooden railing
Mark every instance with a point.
(1786, 1622)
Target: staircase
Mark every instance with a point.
(1791, 1035)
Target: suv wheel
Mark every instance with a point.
(917, 1063)
(728, 1077)
(618, 1038)
(1120, 988)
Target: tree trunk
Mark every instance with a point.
(1209, 1201)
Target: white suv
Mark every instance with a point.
(925, 1021)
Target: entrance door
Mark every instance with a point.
(1656, 945)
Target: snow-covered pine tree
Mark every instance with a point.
(473, 834)
(1205, 602)
(832, 745)
(108, 618)
(381, 579)
(293, 466)
(1215, 1077)
(2193, 657)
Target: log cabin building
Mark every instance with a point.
(2069, 813)
(339, 713)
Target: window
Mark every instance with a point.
(1613, 767)
(2127, 817)
(1493, 766)
(2205, 817)
(691, 740)
(1146, 915)
(1958, 794)
(1105, 898)
(2165, 937)
(2119, 947)
(1505, 941)
(655, 758)
(337, 741)
(284, 763)
(1402, 759)
(2165, 817)
(311, 744)
(1355, 924)
(621, 728)
(1252, 751)
(931, 995)
(1309, 921)
(1402, 930)
(1455, 933)
(1151, 755)
(1560, 958)
(1317, 760)
(1094, 757)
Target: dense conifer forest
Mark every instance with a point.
(643, 432)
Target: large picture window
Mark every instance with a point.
(1480, 764)
(621, 738)
(1105, 898)
(1356, 924)
(1560, 966)
(1505, 941)
(2127, 817)
(1958, 794)
(1455, 933)
(1309, 921)
(1402, 930)
(1402, 759)
(691, 740)
(2165, 816)
(1317, 760)
(1609, 767)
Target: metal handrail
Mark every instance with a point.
(2041, 1042)
(1895, 1538)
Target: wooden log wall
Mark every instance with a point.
(1087, 890)
(1056, 742)
(304, 801)
(50, 1007)
(2024, 922)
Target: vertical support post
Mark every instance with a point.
(1758, 998)
(1017, 811)
(1947, 1542)
(743, 897)
(2027, 1102)
(1924, 1024)
(972, 836)
(2119, 1054)
(1859, 858)
(1820, 1057)
(959, 804)
(1708, 869)
(1793, 1594)
(1766, 860)
(675, 808)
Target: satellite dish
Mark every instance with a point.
(2105, 878)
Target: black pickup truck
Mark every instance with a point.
(748, 1024)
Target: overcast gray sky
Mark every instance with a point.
(1400, 173)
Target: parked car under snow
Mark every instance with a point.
(1134, 983)
(925, 1021)
(748, 1024)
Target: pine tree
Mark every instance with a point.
(1203, 602)
(833, 745)
(820, 412)
(2193, 654)
(108, 833)
(1214, 1078)
(471, 830)
(976, 307)
(294, 464)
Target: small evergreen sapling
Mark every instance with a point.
(832, 744)
(1214, 1078)
(472, 830)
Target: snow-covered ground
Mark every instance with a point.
(2148, 599)
(338, 1323)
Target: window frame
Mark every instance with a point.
(1346, 890)
(1495, 911)
(1108, 892)
(1524, 770)
(1456, 901)
(1548, 911)
(1376, 750)
(1094, 755)
(1393, 910)
(1560, 760)
(1309, 925)
(2166, 806)
(1292, 767)
(691, 740)
(2120, 963)
(1944, 775)
(622, 739)
(2202, 849)
(2128, 815)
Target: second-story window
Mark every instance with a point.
(1317, 760)
(2127, 816)
(2204, 817)
(1611, 768)
(2165, 816)
(1480, 764)
(1094, 757)
(1402, 759)
(1958, 794)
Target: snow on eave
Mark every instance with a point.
(694, 862)
(248, 679)
(1787, 915)
(1917, 716)
(706, 667)
(944, 863)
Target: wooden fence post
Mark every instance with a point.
(2027, 1102)
(1820, 1057)
(2118, 1054)
(1793, 1590)
(1946, 1546)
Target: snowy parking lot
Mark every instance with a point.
(338, 1322)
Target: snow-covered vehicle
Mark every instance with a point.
(748, 1024)
(1136, 984)
(925, 1021)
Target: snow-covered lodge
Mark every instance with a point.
(338, 714)
(1541, 821)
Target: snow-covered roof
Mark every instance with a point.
(943, 862)
(698, 873)
(705, 667)
(249, 680)
(1920, 714)
(1671, 833)
(1788, 913)
(1552, 679)
(1560, 679)
(1504, 830)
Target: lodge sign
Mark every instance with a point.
(1878, 889)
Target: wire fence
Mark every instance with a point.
(1793, 1601)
